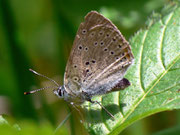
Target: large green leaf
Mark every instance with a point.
(155, 76)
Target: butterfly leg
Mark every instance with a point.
(102, 107)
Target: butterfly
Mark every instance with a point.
(98, 61)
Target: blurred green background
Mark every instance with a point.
(39, 34)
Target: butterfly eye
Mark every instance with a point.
(60, 93)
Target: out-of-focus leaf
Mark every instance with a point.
(3, 121)
(169, 131)
(6, 129)
(29, 128)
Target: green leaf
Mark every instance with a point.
(154, 77)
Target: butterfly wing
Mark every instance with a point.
(99, 58)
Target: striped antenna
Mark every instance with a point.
(44, 77)
(34, 91)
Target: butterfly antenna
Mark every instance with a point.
(34, 91)
(44, 77)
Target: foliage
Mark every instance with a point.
(29, 128)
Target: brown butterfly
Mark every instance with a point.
(97, 64)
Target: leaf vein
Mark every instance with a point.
(163, 91)
(140, 59)
(162, 40)
(135, 106)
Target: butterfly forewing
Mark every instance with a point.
(99, 58)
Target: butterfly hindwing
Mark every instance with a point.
(99, 58)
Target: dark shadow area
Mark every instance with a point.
(100, 115)
(121, 107)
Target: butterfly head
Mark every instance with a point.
(60, 92)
